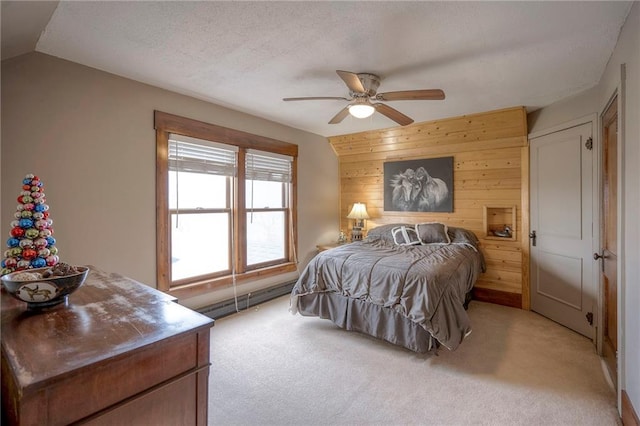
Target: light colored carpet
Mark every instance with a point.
(516, 368)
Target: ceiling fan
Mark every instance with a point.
(363, 89)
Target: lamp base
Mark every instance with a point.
(356, 234)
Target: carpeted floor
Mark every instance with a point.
(516, 368)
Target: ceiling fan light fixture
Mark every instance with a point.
(361, 110)
(363, 88)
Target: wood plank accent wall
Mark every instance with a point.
(491, 167)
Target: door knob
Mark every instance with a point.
(597, 256)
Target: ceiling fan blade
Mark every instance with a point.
(316, 98)
(340, 116)
(352, 81)
(412, 95)
(393, 114)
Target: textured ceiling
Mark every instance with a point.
(249, 55)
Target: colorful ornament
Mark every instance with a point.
(31, 244)
(25, 223)
(38, 262)
(17, 232)
(29, 253)
(26, 243)
(40, 243)
(23, 264)
(32, 233)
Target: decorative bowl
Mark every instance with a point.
(39, 292)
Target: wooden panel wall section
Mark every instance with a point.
(491, 167)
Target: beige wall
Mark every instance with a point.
(89, 136)
(582, 105)
(627, 52)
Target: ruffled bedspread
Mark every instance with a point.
(426, 284)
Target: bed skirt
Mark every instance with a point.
(357, 315)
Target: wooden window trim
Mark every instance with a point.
(201, 287)
(165, 124)
(170, 123)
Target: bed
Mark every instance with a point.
(406, 284)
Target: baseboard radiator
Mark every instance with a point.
(245, 301)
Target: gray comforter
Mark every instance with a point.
(427, 284)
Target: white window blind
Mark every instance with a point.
(188, 154)
(267, 166)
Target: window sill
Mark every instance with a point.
(187, 291)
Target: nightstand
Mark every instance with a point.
(323, 247)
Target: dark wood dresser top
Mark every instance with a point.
(109, 316)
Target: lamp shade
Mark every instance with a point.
(361, 110)
(359, 211)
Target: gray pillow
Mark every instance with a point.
(461, 235)
(432, 233)
(464, 236)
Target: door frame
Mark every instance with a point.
(600, 183)
(617, 93)
(596, 134)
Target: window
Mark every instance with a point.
(267, 187)
(225, 205)
(200, 192)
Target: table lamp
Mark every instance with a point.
(359, 214)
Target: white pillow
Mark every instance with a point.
(405, 236)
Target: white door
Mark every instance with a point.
(562, 285)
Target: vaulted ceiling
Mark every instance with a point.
(249, 55)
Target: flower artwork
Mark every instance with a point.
(31, 243)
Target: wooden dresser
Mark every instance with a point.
(119, 353)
